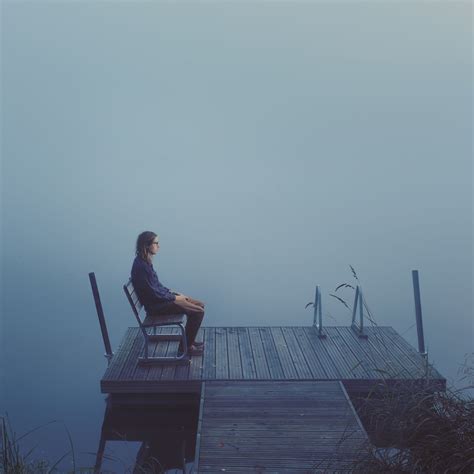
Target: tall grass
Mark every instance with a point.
(14, 461)
(428, 432)
(412, 428)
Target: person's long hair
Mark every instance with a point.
(144, 240)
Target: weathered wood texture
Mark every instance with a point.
(275, 426)
(272, 353)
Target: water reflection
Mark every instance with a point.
(148, 435)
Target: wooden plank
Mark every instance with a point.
(316, 430)
(412, 354)
(379, 339)
(286, 360)
(197, 449)
(315, 365)
(181, 372)
(382, 340)
(277, 426)
(164, 319)
(209, 369)
(113, 371)
(347, 369)
(355, 364)
(321, 435)
(382, 365)
(248, 364)
(156, 371)
(272, 386)
(330, 365)
(273, 361)
(275, 467)
(368, 360)
(235, 364)
(169, 370)
(131, 359)
(222, 362)
(140, 371)
(258, 353)
(302, 369)
(197, 362)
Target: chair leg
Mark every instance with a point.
(178, 359)
(184, 338)
(146, 347)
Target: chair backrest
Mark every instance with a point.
(133, 299)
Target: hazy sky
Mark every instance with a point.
(270, 144)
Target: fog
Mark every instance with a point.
(269, 144)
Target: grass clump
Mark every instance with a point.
(11, 458)
(424, 432)
(14, 461)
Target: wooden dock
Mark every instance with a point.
(273, 399)
(272, 353)
(278, 427)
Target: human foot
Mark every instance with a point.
(194, 351)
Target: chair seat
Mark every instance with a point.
(151, 321)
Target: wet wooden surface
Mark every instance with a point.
(263, 426)
(271, 353)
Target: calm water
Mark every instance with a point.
(63, 387)
(270, 144)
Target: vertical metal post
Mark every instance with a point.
(354, 308)
(358, 301)
(419, 318)
(100, 314)
(318, 316)
(316, 303)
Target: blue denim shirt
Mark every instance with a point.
(151, 293)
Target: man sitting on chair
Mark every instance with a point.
(159, 300)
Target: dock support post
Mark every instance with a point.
(358, 303)
(318, 318)
(100, 313)
(419, 318)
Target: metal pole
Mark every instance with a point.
(316, 306)
(354, 308)
(100, 314)
(320, 316)
(419, 318)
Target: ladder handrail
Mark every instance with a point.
(317, 317)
